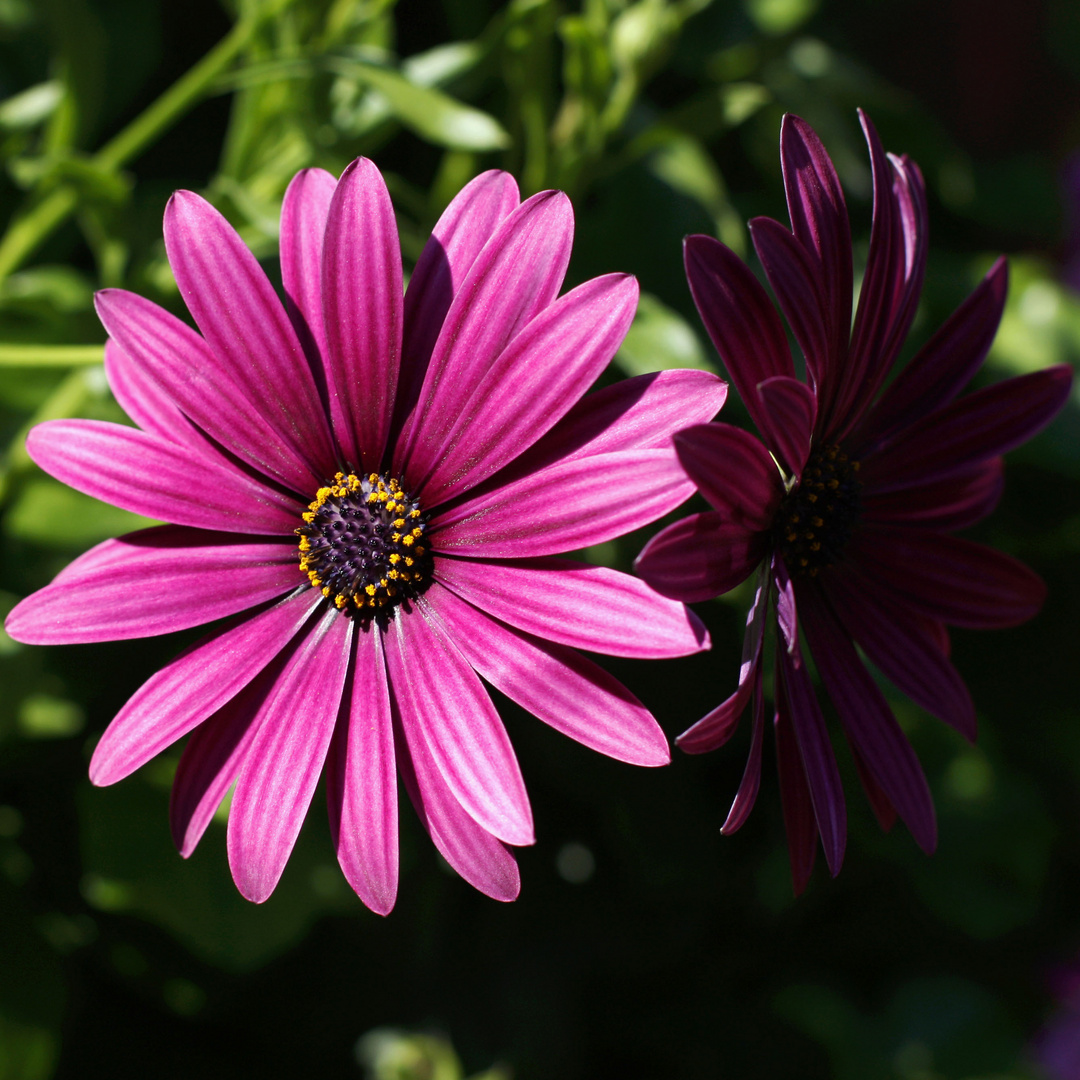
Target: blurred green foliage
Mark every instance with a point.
(643, 944)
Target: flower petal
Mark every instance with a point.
(557, 685)
(144, 400)
(517, 274)
(789, 410)
(153, 582)
(361, 780)
(583, 606)
(128, 468)
(955, 502)
(747, 794)
(195, 685)
(799, 822)
(535, 380)
(733, 471)
(868, 722)
(445, 708)
(947, 578)
(285, 759)
(362, 312)
(569, 505)
(245, 326)
(699, 557)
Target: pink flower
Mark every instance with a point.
(369, 491)
(847, 506)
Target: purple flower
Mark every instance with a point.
(369, 491)
(847, 505)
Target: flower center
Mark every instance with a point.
(362, 543)
(816, 519)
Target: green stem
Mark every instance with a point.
(50, 355)
(28, 230)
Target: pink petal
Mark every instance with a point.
(245, 325)
(535, 380)
(285, 759)
(516, 275)
(560, 687)
(195, 685)
(145, 400)
(699, 557)
(733, 471)
(566, 506)
(445, 708)
(153, 582)
(362, 312)
(164, 480)
(361, 781)
(583, 606)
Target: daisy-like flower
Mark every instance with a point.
(368, 489)
(847, 505)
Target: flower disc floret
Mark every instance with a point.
(363, 544)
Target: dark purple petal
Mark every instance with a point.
(583, 606)
(556, 684)
(699, 557)
(947, 578)
(195, 685)
(444, 707)
(566, 506)
(361, 780)
(304, 213)
(164, 480)
(733, 471)
(816, 753)
(154, 582)
(943, 366)
(469, 848)
(739, 317)
(884, 810)
(789, 409)
(535, 380)
(285, 759)
(459, 236)
(787, 614)
(978, 426)
(517, 274)
(819, 221)
(362, 312)
(799, 822)
(955, 502)
(905, 647)
(245, 325)
(868, 722)
(747, 794)
(795, 279)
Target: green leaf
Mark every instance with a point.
(26, 110)
(660, 338)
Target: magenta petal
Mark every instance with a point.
(143, 473)
(955, 502)
(469, 848)
(535, 380)
(194, 686)
(304, 213)
(799, 822)
(517, 274)
(733, 471)
(787, 616)
(699, 557)
(868, 722)
(566, 506)
(285, 759)
(906, 650)
(153, 582)
(816, 753)
(362, 311)
(557, 685)
(747, 794)
(361, 780)
(947, 578)
(445, 708)
(739, 317)
(583, 606)
(978, 426)
(246, 326)
(459, 236)
(714, 729)
(144, 400)
(789, 410)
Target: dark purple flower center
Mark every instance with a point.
(817, 517)
(363, 544)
